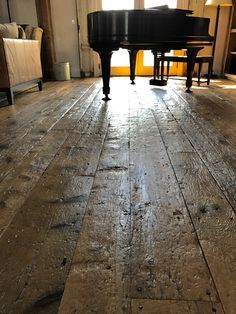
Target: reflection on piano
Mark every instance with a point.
(159, 30)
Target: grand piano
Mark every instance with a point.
(159, 29)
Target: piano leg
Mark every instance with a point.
(132, 62)
(105, 56)
(191, 57)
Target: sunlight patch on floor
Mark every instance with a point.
(229, 86)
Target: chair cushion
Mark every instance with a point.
(28, 31)
(9, 30)
(21, 32)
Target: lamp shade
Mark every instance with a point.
(226, 3)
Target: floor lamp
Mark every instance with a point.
(218, 4)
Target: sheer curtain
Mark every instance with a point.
(89, 60)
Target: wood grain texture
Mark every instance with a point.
(166, 262)
(217, 153)
(101, 259)
(48, 238)
(174, 307)
(119, 207)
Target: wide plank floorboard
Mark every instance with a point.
(119, 207)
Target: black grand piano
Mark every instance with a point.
(160, 29)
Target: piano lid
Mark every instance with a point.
(142, 26)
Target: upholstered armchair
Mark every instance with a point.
(20, 62)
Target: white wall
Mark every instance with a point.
(65, 29)
(3, 12)
(23, 12)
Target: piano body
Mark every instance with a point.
(159, 30)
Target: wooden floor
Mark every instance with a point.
(119, 207)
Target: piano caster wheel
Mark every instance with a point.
(132, 82)
(106, 98)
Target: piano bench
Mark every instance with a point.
(199, 60)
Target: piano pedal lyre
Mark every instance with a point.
(156, 70)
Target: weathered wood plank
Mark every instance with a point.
(25, 122)
(27, 98)
(15, 188)
(74, 157)
(99, 277)
(31, 106)
(214, 221)
(51, 264)
(212, 215)
(28, 232)
(218, 155)
(63, 199)
(30, 137)
(217, 109)
(19, 182)
(35, 117)
(175, 307)
(166, 259)
(150, 226)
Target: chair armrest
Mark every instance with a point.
(4, 77)
(22, 59)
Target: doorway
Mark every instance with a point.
(120, 58)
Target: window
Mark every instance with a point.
(120, 58)
(155, 3)
(117, 4)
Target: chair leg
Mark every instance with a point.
(158, 69)
(168, 70)
(156, 65)
(210, 63)
(199, 73)
(162, 65)
(40, 84)
(10, 96)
